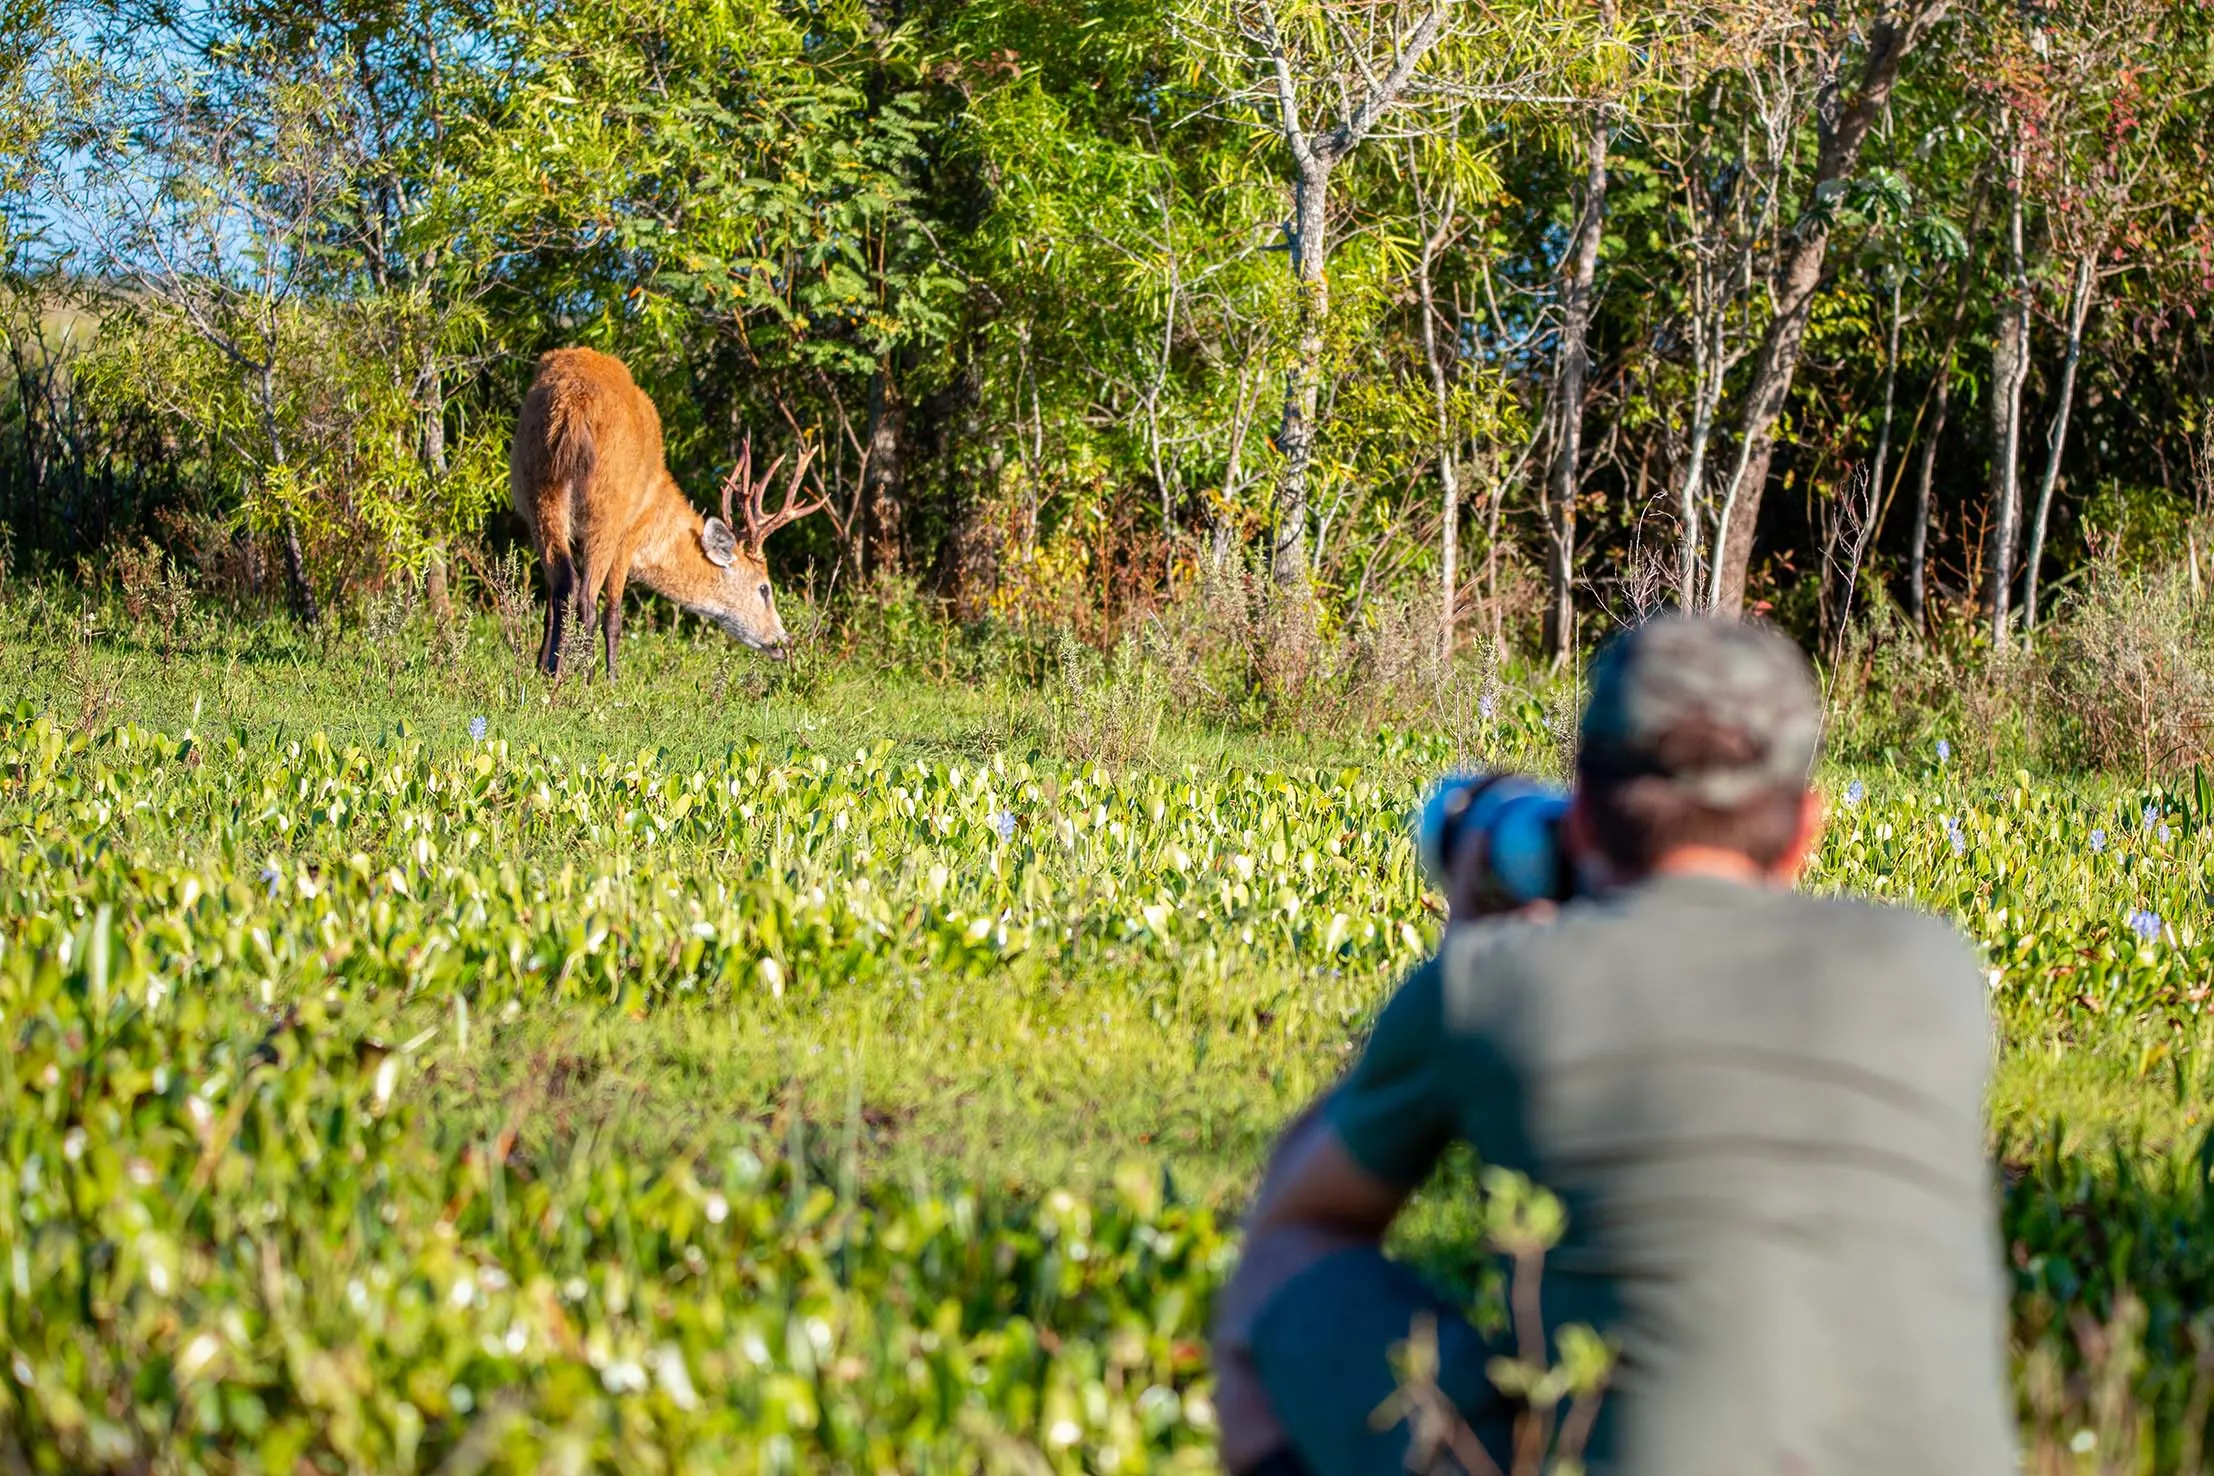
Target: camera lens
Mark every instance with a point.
(1439, 826)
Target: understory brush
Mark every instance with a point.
(2121, 680)
(2130, 671)
(1894, 692)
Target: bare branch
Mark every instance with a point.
(1347, 136)
(1287, 89)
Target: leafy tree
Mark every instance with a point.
(732, 193)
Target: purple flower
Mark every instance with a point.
(2152, 816)
(1003, 821)
(271, 877)
(1855, 792)
(1486, 705)
(2098, 841)
(1954, 834)
(1944, 751)
(2163, 834)
(2145, 923)
(476, 729)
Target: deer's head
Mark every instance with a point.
(741, 600)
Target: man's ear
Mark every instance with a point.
(719, 543)
(1813, 814)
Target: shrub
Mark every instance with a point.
(1894, 692)
(2130, 669)
(1237, 649)
(1106, 711)
(154, 589)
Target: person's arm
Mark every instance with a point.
(1314, 1200)
(1337, 1178)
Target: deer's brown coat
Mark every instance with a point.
(586, 474)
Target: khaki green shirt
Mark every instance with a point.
(1763, 1112)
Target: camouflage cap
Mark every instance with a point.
(1723, 708)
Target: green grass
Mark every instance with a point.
(752, 927)
(1044, 1073)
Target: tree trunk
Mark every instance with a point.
(1694, 476)
(296, 579)
(296, 576)
(1561, 483)
(1918, 542)
(1882, 458)
(972, 545)
(1708, 373)
(2079, 308)
(882, 481)
(1890, 39)
(436, 596)
(1877, 465)
(1310, 247)
(1449, 488)
(968, 558)
(1313, 158)
(2009, 367)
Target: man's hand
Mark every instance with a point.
(1466, 899)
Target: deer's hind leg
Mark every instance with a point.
(561, 579)
(551, 527)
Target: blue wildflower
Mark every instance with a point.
(2152, 816)
(2145, 923)
(1003, 821)
(2163, 834)
(1944, 751)
(271, 877)
(1486, 705)
(1954, 834)
(476, 729)
(2098, 841)
(1855, 792)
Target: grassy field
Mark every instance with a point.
(840, 1066)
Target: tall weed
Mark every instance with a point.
(1894, 693)
(2130, 671)
(1238, 650)
(1106, 710)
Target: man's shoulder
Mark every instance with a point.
(1875, 928)
(1484, 955)
(1675, 926)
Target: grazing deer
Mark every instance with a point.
(586, 476)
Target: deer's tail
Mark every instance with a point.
(569, 447)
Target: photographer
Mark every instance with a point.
(1762, 1111)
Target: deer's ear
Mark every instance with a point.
(719, 543)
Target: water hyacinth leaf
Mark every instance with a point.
(276, 880)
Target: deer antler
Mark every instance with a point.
(758, 528)
(738, 479)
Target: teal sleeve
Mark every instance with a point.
(1393, 1113)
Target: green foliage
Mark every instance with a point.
(228, 1174)
(26, 28)
(291, 1171)
(333, 452)
(1020, 270)
(226, 1251)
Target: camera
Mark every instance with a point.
(1522, 860)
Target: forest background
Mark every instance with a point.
(1510, 319)
(1233, 413)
